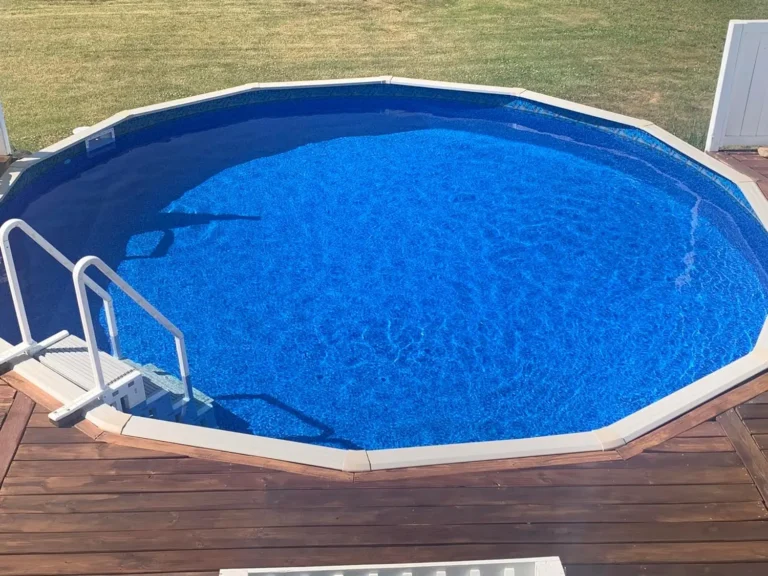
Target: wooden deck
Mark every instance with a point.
(688, 499)
(750, 164)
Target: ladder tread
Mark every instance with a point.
(69, 358)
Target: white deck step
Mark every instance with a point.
(69, 358)
(548, 566)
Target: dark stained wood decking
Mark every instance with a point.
(685, 500)
(750, 164)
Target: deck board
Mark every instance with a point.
(748, 450)
(753, 411)
(759, 426)
(54, 436)
(706, 429)
(656, 460)
(39, 420)
(344, 536)
(6, 394)
(254, 493)
(103, 467)
(761, 399)
(86, 451)
(34, 515)
(696, 444)
(12, 430)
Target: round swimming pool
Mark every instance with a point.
(380, 270)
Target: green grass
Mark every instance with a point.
(69, 63)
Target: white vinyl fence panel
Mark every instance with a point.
(740, 113)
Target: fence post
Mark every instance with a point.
(5, 144)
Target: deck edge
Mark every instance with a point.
(12, 431)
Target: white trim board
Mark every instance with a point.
(740, 111)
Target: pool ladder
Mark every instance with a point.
(28, 347)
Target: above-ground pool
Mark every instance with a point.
(380, 267)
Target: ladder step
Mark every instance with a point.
(69, 358)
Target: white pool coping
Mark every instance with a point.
(606, 438)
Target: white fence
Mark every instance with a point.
(5, 144)
(740, 114)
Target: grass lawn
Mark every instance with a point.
(69, 63)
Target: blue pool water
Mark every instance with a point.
(373, 272)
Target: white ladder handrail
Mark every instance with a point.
(18, 301)
(81, 282)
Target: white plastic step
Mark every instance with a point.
(69, 358)
(547, 566)
(157, 381)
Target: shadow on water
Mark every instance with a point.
(47, 288)
(167, 221)
(325, 434)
